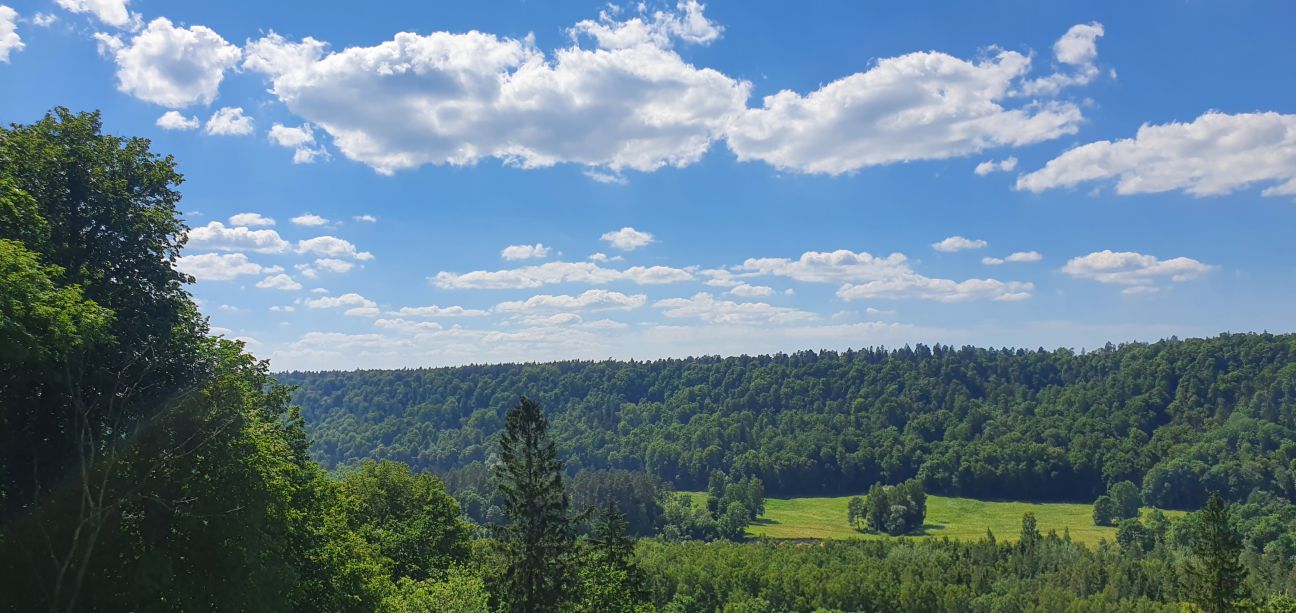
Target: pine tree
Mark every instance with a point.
(538, 535)
(1215, 575)
(611, 581)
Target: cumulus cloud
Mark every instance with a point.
(958, 243)
(627, 238)
(919, 106)
(229, 121)
(524, 252)
(10, 41)
(173, 120)
(331, 246)
(301, 140)
(250, 219)
(216, 235)
(1215, 154)
(218, 266)
(279, 281)
(310, 220)
(594, 300)
(366, 218)
(559, 272)
(1006, 165)
(1017, 256)
(111, 12)
(354, 304)
(863, 276)
(751, 291)
(44, 19)
(439, 311)
(1130, 268)
(704, 306)
(1078, 50)
(334, 265)
(630, 102)
(170, 66)
(603, 257)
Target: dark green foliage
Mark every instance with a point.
(1177, 418)
(638, 495)
(611, 580)
(1104, 513)
(857, 512)
(538, 534)
(1135, 538)
(894, 509)
(1215, 575)
(730, 505)
(1125, 499)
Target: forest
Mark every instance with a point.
(146, 464)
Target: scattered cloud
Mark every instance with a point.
(916, 286)
(287, 308)
(1017, 256)
(751, 291)
(594, 300)
(864, 276)
(559, 272)
(1078, 50)
(438, 311)
(218, 266)
(524, 252)
(10, 41)
(44, 19)
(627, 238)
(1008, 164)
(334, 265)
(1130, 268)
(216, 235)
(353, 304)
(111, 12)
(170, 66)
(366, 218)
(279, 281)
(301, 139)
(309, 220)
(173, 120)
(1214, 155)
(704, 306)
(958, 243)
(603, 257)
(229, 121)
(251, 219)
(331, 246)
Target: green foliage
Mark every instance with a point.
(1135, 538)
(894, 509)
(610, 580)
(539, 534)
(1215, 574)
(1178, 418)
(460, 592)
(1104, 511)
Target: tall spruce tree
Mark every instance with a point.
(611, 582)
(1215, 577)
(538, 535)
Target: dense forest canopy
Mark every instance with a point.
(1179, 418)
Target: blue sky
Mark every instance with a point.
(499, 181)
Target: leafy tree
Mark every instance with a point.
(1104, 511)
(894, 509)
(1125, 499)
(539, 533)
(856, 512)
(1134, 538)
(1215, 575)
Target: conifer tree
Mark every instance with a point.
(538, 535)
(1215, 574)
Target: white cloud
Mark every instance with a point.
(1078, 50)
(173, 67)
(455, 98)
(44, 19)
(250, 219)
(334, 265)
(111, 12)
(1130, 268)
(229, 121)
(557, 319)
(361, 312)
(919, 106)
(406, 326)
(603, 257)
(864, 276)
(366, 218)
(1017, 256)
(345, 301)
(10, 41)
(916, 286)
(958, 243)
(438, 311)
(301, 139)
(218, 266)
(751, 291)
(310, 220)
(1007, 165)
(1140, 290)
(524, 252)
(215, 235)
(288, 308)
(279, 281)
(704, 306)
(594, 299)
(1215, 154)
(559, 272)
(627, 238)
(331, 246)
(173, 120)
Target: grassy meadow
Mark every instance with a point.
(956, 518)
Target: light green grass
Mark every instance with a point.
(956, 518)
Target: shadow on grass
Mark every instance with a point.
(927, 530)
(761, 521)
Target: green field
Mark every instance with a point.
(956, 518)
